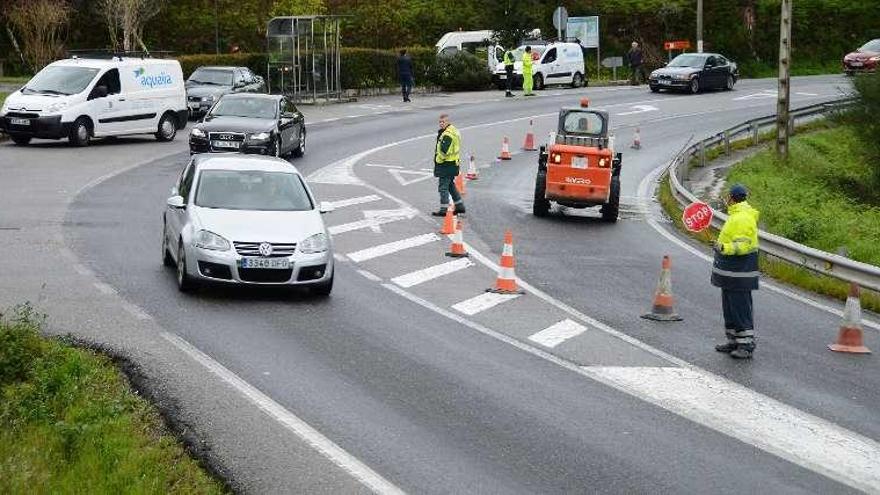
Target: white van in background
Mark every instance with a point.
(82, 98)
(478, 43)
(556, 63)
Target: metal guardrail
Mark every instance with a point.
(834, 265)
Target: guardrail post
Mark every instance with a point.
(727, 143)
(702, 153)
(791, 125)
(756, 138)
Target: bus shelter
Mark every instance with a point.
(304, 58)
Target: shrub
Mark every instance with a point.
(460, 72)
(865, 121)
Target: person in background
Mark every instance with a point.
(735, 271)
(509, 60)
(447, 155)
(636, 61)
(405, 72)
(528, 80)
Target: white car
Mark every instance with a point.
(246, 220)
(557, 63)
(82, 98)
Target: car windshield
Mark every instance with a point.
(252, 190)
(218, 77)
(695, 61)
(871, 46)
(60, 80)
(257, 108)
(583, 123)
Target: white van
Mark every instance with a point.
(478, 43)
(82, 98)
(556, 63)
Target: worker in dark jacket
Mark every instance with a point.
(405, 72)
(447, 154)
(735, 271)
(509, 61)
(636, 61)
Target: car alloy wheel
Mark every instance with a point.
(730, 83)
(184, 282)
(577, 81)
(695, 86)
(167, 260)
(300, 150)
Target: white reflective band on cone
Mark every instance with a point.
(508, 250)
(506, 273)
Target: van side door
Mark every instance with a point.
(107, 106)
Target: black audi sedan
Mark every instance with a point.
(694, 72)
(251, 123)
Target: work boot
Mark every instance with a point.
(439, 213)
(509, 94)
(741, 353)
(726, 348)
(460, 210)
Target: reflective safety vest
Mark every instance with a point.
(527, 63)
(736, 263)
(453, 153)
(508, 58)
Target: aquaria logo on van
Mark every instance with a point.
(147, 81)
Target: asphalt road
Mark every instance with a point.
(437, 396)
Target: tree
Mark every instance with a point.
(41, 26)
(127, 18)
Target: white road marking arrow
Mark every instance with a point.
(767, 93)
(640, 109)
(404, 181)
(373, 219)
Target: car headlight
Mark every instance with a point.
(259, 136)
(874, 59)
(209, 240)
(208, 98)
(196, 132)
(4, 108)
(56, 107)
(315, 244)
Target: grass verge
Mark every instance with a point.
(770, 266)
(69, 423)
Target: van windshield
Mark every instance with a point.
(60, 80)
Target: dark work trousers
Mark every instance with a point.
(638, 75)
(406, 85)
(739, 323)
(446, 186)
(508, 69)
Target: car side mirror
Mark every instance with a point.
(176, 202)
(326, 207)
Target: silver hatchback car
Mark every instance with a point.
(240, 219)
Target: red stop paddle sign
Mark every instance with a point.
(697, 216)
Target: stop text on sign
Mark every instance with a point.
(697, 216)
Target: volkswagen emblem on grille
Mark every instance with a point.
(265, 249)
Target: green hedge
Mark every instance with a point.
(361, 67)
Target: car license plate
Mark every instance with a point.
(19, 121)
(855, 64)
(232, 145)
(194, 106)
(579, 162)
(270, 263)
(665, 82)
(502, 76)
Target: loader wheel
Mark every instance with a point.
(611, 209)
(541, 206)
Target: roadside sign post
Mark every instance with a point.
(783, 130)
(697, 216)
(560, 20)
(612, 63)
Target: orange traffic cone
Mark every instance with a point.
(472, 169)
(459, 183)
(506, 281)
(449, 220)
(637, 140)
(663, 300)
(529, 144)
(505, 149)
(457, 250)
(849, 339)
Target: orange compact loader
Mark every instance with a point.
(579, 169)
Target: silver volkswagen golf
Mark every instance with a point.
(241, 219)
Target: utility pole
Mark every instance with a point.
(216, 29)
(699, 26)
(783, 102)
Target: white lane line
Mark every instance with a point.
(482, 302)
(370, 275)
(342, 203)
(135, 311)
(373, 480)
(392, 247)
(432, 272)
(379, 165)
(755, 419)
(646, 191)
(82, 270)
(105, 289)
(558, 333)
(375, 219)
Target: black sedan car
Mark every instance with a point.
(251, 123)
(207, 84)
(693, 72)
